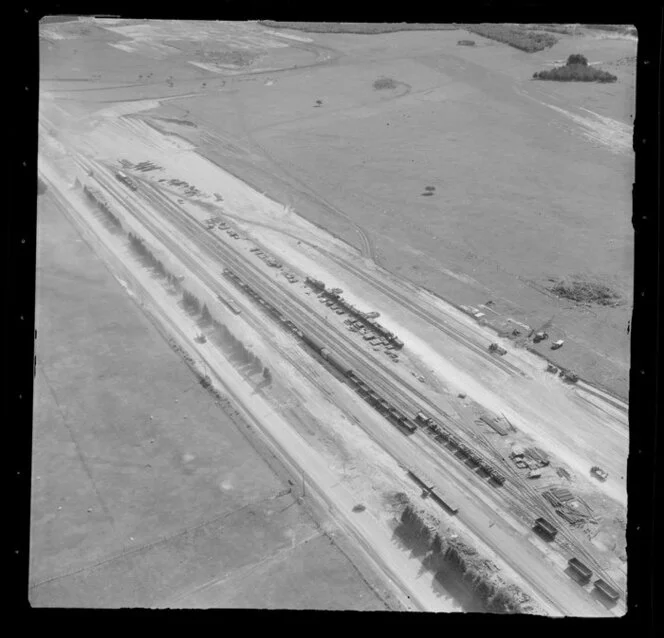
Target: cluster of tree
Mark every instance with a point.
(103, 207)
(576, 69)
(384, 83)
(445, 555)
(514, 36)
(584, 291)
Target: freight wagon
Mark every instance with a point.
(445, 501)
(545, 528)
(581, 571)
(126, 180)
(609, 592)
(335, 362)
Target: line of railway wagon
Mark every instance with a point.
(373, 398)
(439, 432)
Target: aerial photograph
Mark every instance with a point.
(332, 316)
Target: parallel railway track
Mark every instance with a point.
(195, 231)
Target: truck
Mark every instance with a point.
(557, 344)
(494, 347)
(126, 180)
(604, 588)
(569, 377)
(599, 473)
(545, 528)
(540, 336)
(420, 416)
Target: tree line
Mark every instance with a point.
(443, 555)
(229, 343)
(103, 207)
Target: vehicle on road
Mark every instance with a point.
(599, 473)
(494, 347)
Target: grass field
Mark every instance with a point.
(532, 182)
(145, 493)
(533, 179)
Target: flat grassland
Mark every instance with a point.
(531, 180)
(144, 491)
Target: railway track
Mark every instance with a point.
(366, 368)
(196, 231)
(407, 303)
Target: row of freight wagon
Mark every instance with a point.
(390, 412)
(373, 398)
(440, 432)
(581, 572)
(444, 435)
(368, 319)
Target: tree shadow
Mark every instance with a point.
(447, 583)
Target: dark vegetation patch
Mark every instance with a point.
(576, 69)
(176, 121)
(582, 290)
(514, 36)
(551, 28)
(384, 83)
(623, 29)
(63, 18)
(356, 27)
(234, 58)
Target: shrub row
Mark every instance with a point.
(517, 37)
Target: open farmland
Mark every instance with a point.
(145, 490)
(369, 242)
(512, 163)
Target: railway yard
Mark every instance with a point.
(363, 384)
